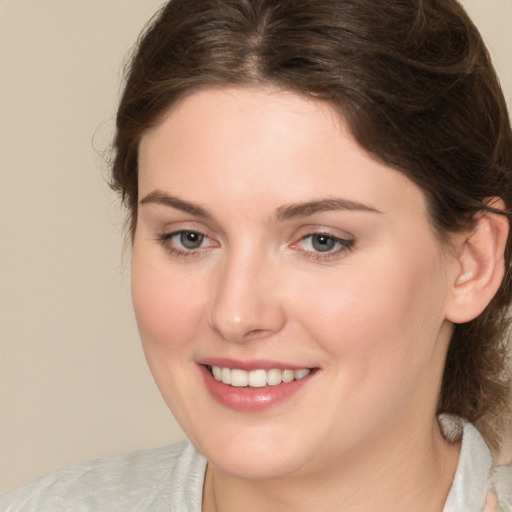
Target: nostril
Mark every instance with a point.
(257, 334)
(238, 314)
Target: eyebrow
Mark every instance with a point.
(285, 212)
(159, 197)
(323, 205)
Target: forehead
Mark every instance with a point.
(265, 146)
(248, 117)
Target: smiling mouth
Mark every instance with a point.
(236, 377)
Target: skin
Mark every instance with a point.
(372, 318)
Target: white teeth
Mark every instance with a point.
(288, 375)
(226, 375)
(299, 374)
(217, 372)
(239, 378)
(274, 377)
(257, 378)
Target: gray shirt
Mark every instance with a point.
(171, 479)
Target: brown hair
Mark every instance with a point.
(415, 84)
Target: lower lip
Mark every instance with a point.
(251, 399)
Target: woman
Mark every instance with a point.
(318, 195)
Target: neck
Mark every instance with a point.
(408, 474)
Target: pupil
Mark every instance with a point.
(323, 243)
(191, 239)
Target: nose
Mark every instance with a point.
(246, 303)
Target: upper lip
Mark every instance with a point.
(248, 365)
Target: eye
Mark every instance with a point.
(185, 241)
(324, 244)
(189, 239)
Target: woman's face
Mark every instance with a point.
(269, 246)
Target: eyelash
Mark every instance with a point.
(166, 240)
(343, 244)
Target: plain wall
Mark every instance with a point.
(73, 380)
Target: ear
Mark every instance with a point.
(480, 265)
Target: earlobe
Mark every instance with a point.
(480, 265)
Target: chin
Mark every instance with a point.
(254, 467)
(255, 457)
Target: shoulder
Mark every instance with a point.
(141, 480)
(501, 485)
(479, 483)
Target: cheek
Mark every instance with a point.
(374, 314)
(382, 351)
(167, 304)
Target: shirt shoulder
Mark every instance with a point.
(479, 484)
(143, 480)
(501, 485)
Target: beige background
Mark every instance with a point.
(73, 381)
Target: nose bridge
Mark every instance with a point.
(246, 302)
